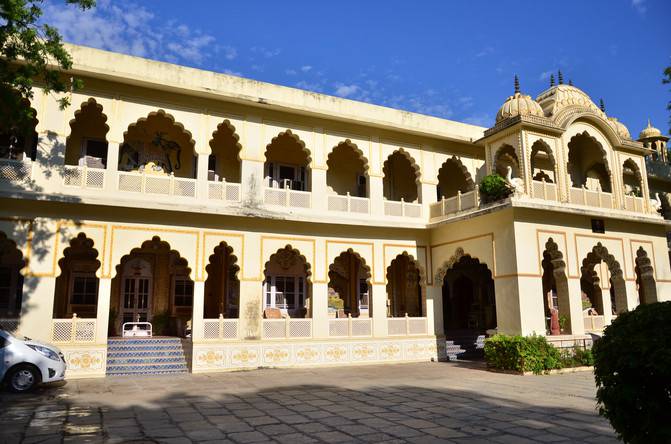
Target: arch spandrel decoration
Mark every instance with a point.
(459, 253)
(358, 151)
(155, 245)
(287, 257)
(300, 141)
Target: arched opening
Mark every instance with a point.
(152, 284)
(469, 303)
(11, 279)
(87, 144)
(224, 161)
(453, 177)
(347, 170)
(542, 162)
(401, 178)
(158, 145)
(287, 163)
(555, 291)
(287, 289)
(587, 163)
(404, 292)
(645, 278)
(505, 158)
(18, 141)
(77, 285)
(349, 287)
(222, 287)
(600, 271)
(631, 179)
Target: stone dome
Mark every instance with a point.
(649, 131)
(619, 128)
(555, 99)
(519, 105)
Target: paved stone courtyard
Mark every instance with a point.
(423, 402)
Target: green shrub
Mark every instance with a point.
(632, 369)
(494, 187)
(521, 353)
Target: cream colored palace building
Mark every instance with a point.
(271, 226)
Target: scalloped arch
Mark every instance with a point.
(297, 139)
(604, 152)
(542, 145)
(229, 250)
(458, 255)
(635, 168)
(359, 153)
(236, 138)
(172, 121)
(82, 243)
(573, 115)
(357, 256)
(290, 248)
(414, 262)
(84, 107)
(470, 184)
(600, 253)
(155, 244)
(8, 246)
(511, 154)
(413, 163)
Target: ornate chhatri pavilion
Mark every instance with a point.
(269, 226)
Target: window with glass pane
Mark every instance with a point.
(363, 293)
(84, 290)
(284, 292)
(183, 292)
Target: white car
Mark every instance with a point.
(25, 363)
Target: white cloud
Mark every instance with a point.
(290, 72)
(306, 68)
(265, 52)
(130, 28)
(639, 6)
(342, 90)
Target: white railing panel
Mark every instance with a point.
(131, 182)
(338, 327)
(412, 210)
(359, 205)
(417, 326)
(300, 199)
(284, 197)
(15, 171)
(73, 330)
(594, 323)
(184, 187)
(393, 208)
(83, 177)
(223, 191)
(348, 204)
(11, 325)
(300, 328)
(362, 327)
(220, 329)
(274, 196)
(337, 203)
(156, 185)
(274, 328)
(396, 327)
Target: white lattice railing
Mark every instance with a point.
(287, 328)
(73, 330)
(156, 184)
(15, 171)
(83, 177)
(402, 208)
(633, 203)
(594, 323)
(223, 190)
(348, 204)
(598, 198)
(10, 325)
(452, 205)
(351, 327)
(285, 197)
(407, 326)
(224, 329)
(544, 190)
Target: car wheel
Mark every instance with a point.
(23, 378)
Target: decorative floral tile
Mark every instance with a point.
(363, 352)
(335, 353)
(245, 356)
(276, 355)
(305, 354)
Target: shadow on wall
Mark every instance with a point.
(36, 234)
(226, 407)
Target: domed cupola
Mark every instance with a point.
(518, 105)
(561, 96)
(649, 132)
(619, 128)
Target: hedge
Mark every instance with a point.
(522, 354)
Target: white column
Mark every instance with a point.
(197, 328)
(434, 309)
(201, 176)
(112, 166)
(607, 306)
(632, 295)
(429, 196)
(575, 307)
(319, 191)
(49, 159)
(252, 183)
(529, 301)
(508, 316)
(251, 311)
(376, 196)
(102, 313)
(320, 315)
(37, 307)
(379, 303)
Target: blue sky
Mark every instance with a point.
(445, 58)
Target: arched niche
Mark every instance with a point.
(542, 162)
(287, 287)
(222, 286)
(401, 177)
(11, 278)
(556, 301)
(591, 278)
(453, 177)
(645, 278)
(87, 144)
(504, 158)
(287, 163)
(156, 144)
(632, 181)
(349, 289)
(347, 170)
(224, 160)
(588, 163)
(18, 141)
(76, 288)
(404, 292)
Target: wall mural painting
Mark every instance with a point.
(160, 156)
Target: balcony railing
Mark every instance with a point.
(10, 325)
(633, 203)
(407, 326)
(73, 330)
(83, 177)
(402, 208)
(224, 191)
(598, 198)
(350, 327)
(287, 198)
(348, 204)
(156, 184)
(15, 172)
(287, 328)
(222, 329)
(455, 204)
(544, 190)
(594, 323)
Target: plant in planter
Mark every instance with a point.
(159, 323)
(563, 323)
(493, 188)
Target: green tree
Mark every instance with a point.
(30, 52)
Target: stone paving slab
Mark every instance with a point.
(400, 403)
